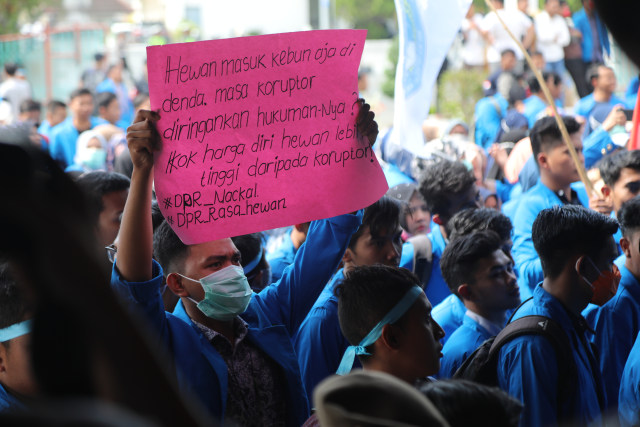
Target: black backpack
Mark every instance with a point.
(482, 365)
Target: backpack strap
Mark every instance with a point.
(422, 257)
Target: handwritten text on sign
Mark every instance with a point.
(259, 132)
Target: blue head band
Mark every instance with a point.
(254, 263)
(16, 330)
(396, 313)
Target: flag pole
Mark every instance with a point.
(563, 129)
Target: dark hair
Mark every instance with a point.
(443, 180)
(545, 133)
(507, 52)
(564, 231)
(98, 57)
(469, 221)
(53, 105)
(103, 99)
(629, 216)
(516, 93)
(367, 294)
(168, 249)
(611, 166)
(29, 105)
(13, 308)
(383, 214)
(80, 92)
(140, 99)
(594, 71)
(536, 53)
(466, 403)
(10, 68)
(249, 246)
(96, 184)
(459, 259)
(534, 84)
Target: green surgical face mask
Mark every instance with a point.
(226, 293)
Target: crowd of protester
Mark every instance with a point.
(489, 286)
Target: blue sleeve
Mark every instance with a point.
(288, 301)
(487, 124)
(528, 371)
(629, 396)
(503, 189)
(57, 149)
(593, 146)
(524, 254)
(320, 346)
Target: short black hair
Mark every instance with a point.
(562, 232)
(156, 215)
(611, 166)
(460, 257)
(10, 68)
(367, 294)
(463, 403)
(507, 52)
(594, 71)
(53, 105)
(80, 92)
(96, 184)
(534, 84)
(383, 214)
(140, 99)
(629, 216)
(98, 57)
(545, 133)
(13, 307)
(29, 105)
(469, 221)
(103, 99)
(168, 249)
(443, 180)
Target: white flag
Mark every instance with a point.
(427, 29)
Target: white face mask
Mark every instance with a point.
(226, 293)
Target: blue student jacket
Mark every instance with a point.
(282, 257)
(8, 402)
(64, 137)
(449, 314)
(539, 197)
(597, 145)
(489, 112)
(585, 105)
(581, 22)
(533, 106)
(528, 370)
(273, 316)
(617, 324)
(464, 341)
(319, 343)
(629, 396)
(126, 111)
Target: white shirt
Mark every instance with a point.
(474, 44)
(517, 22)
(15, 91)
(552, 35)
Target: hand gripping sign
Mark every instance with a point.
(259, 132)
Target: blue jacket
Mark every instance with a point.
(533, 106)
(282, 257)
(629, 396)
(273, 316)
(617, 324)
(126, 105)
(585, 105)
(8, 402)
(464, 341)
(597, 145)
(528, 370)
(449, 314)
(524, 254)
(581, 22)
(488, 115)
(64, 137)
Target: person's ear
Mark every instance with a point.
(390, 338)
(464, 291)
(348, 256)
(174, 282)
(3, 360)
(625, 244)
(543, 160)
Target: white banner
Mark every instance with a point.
(427, 29)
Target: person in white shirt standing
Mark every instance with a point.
(552, 34)
(473, 49)
(518, 23)
(14, 90)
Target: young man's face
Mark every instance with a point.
(384, 248)
(418, 216)
(82, 107)
(421, 351)
(554, 89)
(625, 188)
(631, 248)
(58, 116)
(18, 375)
(32, 116)
(111, 216)
(552, 7)
(606, 80)
(558, 163)
(495, 288)
(111, 112)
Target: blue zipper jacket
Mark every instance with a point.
(464, 341)
(617, 324)
(524, 254)
(581, 22)
(528, 370)
(273, 316)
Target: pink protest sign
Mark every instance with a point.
(259, 132)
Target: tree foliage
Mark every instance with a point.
(12, 11)
(376, 16)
